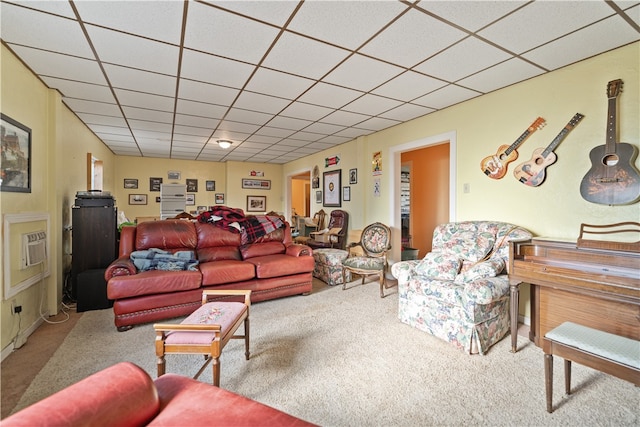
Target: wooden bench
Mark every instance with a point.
(612, 354)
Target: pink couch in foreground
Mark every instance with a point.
(272, 266)
(125, 395)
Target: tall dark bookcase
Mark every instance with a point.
(94, 240)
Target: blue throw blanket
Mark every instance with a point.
(158, 259)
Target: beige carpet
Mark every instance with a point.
(342, 358)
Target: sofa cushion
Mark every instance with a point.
(211, 236)
(253, 250)
(226, 271)
(281, 265)
(152, 282)
(489, 268)
(443, 266)
(169, 234)
(219, 253)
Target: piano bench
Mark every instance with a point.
(612, 354)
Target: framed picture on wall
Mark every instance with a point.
(219, 199)
(16, 156)
(192, 185)
(256, 203)
(332, 186)
(353, 176)
(319, 196)
(211, 185)
(190, 200)
(154, 184)
(130, 183)
(346, 194)
(137, 199)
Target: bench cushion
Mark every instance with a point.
(610, 346)
(224, 314)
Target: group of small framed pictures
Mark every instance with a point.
(329, 196)
(156, 182)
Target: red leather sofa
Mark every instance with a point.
(125, 395)
(272, 266)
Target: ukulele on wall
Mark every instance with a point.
(532, 172)
(613, 178)
(495, 166)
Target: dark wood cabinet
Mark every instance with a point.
(94, 237)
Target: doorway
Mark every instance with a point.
(300, 196)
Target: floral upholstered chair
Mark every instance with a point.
(459, 292)
(375, 242)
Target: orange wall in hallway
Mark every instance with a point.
(429, 186)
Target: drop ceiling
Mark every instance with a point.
(285, 79)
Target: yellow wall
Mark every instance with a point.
(58, 169)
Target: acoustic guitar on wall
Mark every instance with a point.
(495, 166)
(613, 178)
(532, 172)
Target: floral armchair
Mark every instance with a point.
(459, 292)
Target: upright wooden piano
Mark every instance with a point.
(593, 283)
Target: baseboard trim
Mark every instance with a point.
(25, 334)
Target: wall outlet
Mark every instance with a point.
(13, 306)
(466, 188)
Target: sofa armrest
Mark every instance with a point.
(122, 266)
(403, 270)
(298, 250)
(488, 289)
(122, 394)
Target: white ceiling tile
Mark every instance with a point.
(83, 106)
(110, 136)
(185, 140)
(378, 123)
(132, 51)
(110, 129)
(275, 132)
(200, 109)
(362, 73)
(353, 132)
(152, 137)
(144, 100)
(262, 103)
(163, 21)
(103, 120)
(412, 38)
(289, 123)
(63, 66)
(200, 122)
(334, 140)
(273, 12)
(372, 105)
(228, 35)
(542, 21)
(142, 81)
(269, 82)
(246, 116)
(144, 114)
(46, 32)
(448, 95)
(324, 128)
(406, 112)
(345, 23)
(264, 139)
(329, 95)
(584, 43)
(305, 136)
(284, 146)
(61, 8)
(142, 125)
(303, 56)
(345, 118)
(471, 15)
(509, 72)
(633, 12)
(227, 125)
(74, 89)
(192, 130)
(204, 92)
(463, 59)
(212, 69)
(300, 110)
(408, 86)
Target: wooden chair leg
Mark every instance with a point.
(246, 338)
(567, 376)
(548, 380)
(161, 365)
(216, 371)
(382, 284)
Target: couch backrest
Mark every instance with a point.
(169, 234)
(472, 241)
(215, 243)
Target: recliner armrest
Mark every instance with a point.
(122, 266)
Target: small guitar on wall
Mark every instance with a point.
(495, 166)
(532, 172)
(613, 178)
